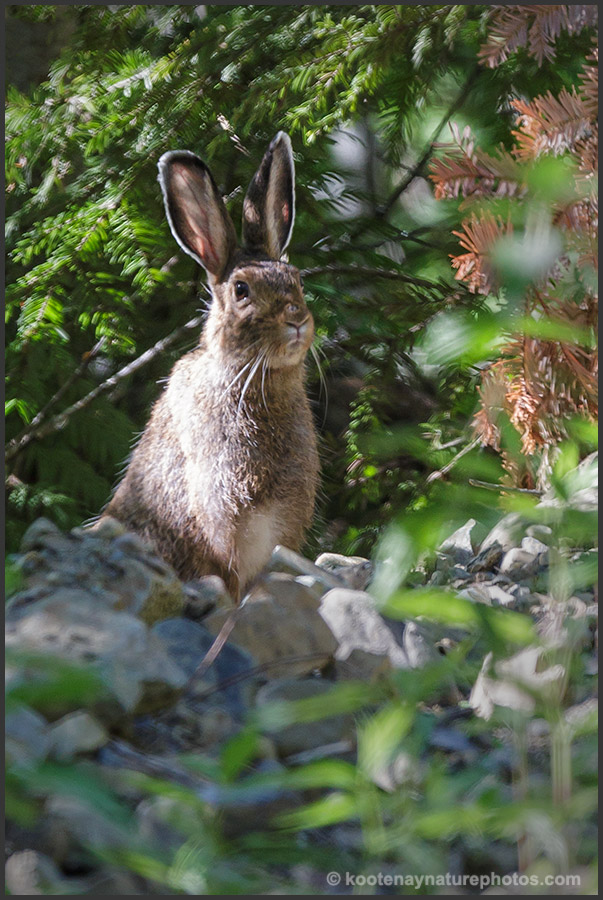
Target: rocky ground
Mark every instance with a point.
(103, 600)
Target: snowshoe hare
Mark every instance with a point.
(227, 466)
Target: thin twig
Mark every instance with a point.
(417, 169)
(487, 485)
(434, 476)
(249, 673)
(218, 644)
(424, 158)
(60, 420)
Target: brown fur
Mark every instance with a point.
(218, 479)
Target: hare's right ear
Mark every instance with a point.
(195, 210)
(269, 205)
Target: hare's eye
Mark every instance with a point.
(241, 290)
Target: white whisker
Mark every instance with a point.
(254, 369)
(236, 378)
(264, 366)
(321, 380)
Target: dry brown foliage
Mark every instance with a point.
(537, 383)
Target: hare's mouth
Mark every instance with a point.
(294, 341)
(296, 335)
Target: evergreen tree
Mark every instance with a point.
(94, 279)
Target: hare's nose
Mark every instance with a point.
(292, 309)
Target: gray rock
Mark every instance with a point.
(204, 594)
(285, 560)
(192, 725)
(27, 736)
(508, 533)
(487, 559)
(498, 596)
(362, 666)
(354, 620)
(418, 646)
(316, 588)
(519, 564)
(298, 737)
(438, 578)
(37, 533)
(129, 659)
(541, 532)
(187, 643)
(494, 595)
(443, 563)
(514, 682)
(29, 873)
(116, 568)
(353, 571)
(488, 692)
(107, 528)
(459, 545)
(78, 732)
(282, 586)
(538, 548)
(285, 637)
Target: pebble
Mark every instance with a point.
(532, 545)
(29, 873)
(78, 732)
(204, 594)
(26, 736)
(487, 559)
(353, 571)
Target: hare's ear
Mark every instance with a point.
(195, 210)
(269, 205)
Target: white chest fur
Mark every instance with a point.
(258, 532)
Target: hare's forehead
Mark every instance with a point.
(278, 276)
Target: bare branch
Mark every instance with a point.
(435, 476)
(488, 486)
(368, 272)
(59, 421)
(417, 169)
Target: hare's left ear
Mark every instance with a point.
(269, 205)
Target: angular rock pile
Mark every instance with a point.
(101, 602)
